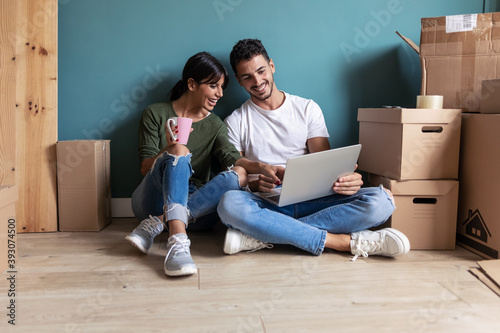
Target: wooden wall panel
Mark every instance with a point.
(8, 10)
(35, 45)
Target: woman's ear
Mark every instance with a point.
(192, 84)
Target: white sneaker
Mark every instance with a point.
(178, 260)
(386, 242)
(236, 241)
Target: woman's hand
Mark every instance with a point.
(170, 140)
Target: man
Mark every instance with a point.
(271, 127)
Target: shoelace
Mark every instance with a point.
(363, 246)
(255, 244)
(151, 226)
(180, 245)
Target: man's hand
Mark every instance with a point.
(348, 185)
(269, 177)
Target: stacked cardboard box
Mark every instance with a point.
(460, 60)
(415, 154)
(457, 53)
(410, 144)
(479, 211)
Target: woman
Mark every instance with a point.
(176, 189)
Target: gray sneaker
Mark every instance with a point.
(236, 241)
(386, 242)
(142, 236)
(178, 260)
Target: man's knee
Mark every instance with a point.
(227, 203)
(224, 203)
(242, 175)
(382, 203)
(391, 196)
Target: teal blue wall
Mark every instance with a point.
(117, 56)
(491, 6)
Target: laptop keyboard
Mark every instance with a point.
(274, 198)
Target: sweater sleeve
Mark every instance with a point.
(225, 151)
(149, 139)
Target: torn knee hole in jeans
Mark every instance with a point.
(176, 157)
(389, 193)
(231, 169)
(154, 163)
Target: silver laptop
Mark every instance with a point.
(312, 176)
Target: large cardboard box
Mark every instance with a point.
(479, 209)
(426, 211)
(490, 97)
(83, 176)
(410, 144)
(457, 53)
(8, 230)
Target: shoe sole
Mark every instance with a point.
(402, 239)
(228, 241)
(183, 271)
(137, 243)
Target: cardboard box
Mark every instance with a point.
(410, 144)
(479, 210)
(426, 211)
(490, 97)
(8, 230)
(84, 191)
(457, 53)
(489, 274)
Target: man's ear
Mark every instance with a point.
(271, 64)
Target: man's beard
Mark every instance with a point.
(265, 97)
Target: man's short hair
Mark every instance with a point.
(246, 49)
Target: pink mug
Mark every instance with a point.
(183, 129)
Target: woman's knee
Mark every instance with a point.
(178, 150)
(171, 158)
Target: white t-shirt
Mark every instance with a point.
(274, 136)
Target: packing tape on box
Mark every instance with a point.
(429, 102)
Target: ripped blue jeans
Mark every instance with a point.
(166, 189)
(305, 224)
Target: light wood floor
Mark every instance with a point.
(97, 282)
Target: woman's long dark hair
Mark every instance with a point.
(202, 68)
